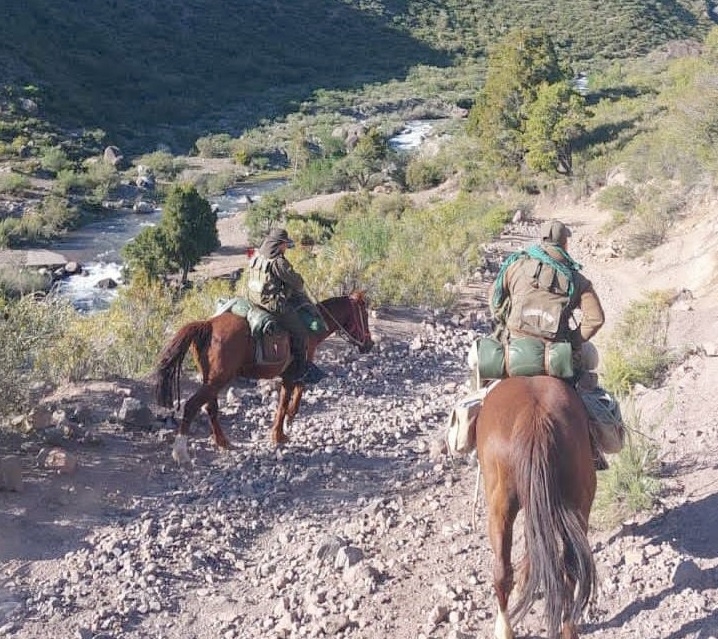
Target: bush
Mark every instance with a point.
(18, 282)
(374, 246)
(637, 352)
(54, 159)
(423, 174)
(220, 145)
(29, 327)
(631, 484)
(618, 197)
(162, 164)
(13, 183)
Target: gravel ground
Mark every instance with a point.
(361, 526)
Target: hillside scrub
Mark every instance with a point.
(399, 254)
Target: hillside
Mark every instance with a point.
(170, 70)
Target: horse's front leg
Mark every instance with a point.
(294, 402)
(278, 434)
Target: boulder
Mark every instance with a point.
(113, 156)
(133, 413)
(106, 283)
(142, 206)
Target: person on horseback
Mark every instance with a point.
(278, 288)
(538, 290)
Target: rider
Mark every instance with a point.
(536, 293)
(278, 288)
(538, 290)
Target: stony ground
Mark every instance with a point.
(361, 526)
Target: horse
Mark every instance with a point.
(224, 349)
(532, 443)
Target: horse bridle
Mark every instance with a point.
(357, 319)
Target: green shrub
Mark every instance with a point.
(423, 174)
(17, 282)
(220, 145)
(162, 164)
(12, 182)
(29, 327)
(618, 197)
(122, 341)
(631, 483)
(215, 183)
(637, 351)
(54, 159)
(402, 255)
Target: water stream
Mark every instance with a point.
(97, 246)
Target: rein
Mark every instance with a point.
(356, 319)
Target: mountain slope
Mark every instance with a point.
(129, 66)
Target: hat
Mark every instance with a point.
(554, 231)
(280, 235)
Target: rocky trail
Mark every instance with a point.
(361, 526)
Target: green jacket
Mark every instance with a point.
(272, 279)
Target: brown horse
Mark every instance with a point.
(224, 349)
(533, 446)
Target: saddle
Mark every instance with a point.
(271, 341)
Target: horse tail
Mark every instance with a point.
(556, 542)
(169, 369)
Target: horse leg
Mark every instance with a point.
(501, 521)
(203, 396)
(218, 435)
(293, 407)
(568, 628)
(278, 434)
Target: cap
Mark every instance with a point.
(554, 231)
(280, 235)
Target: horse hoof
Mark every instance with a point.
(281, 440)
(179, 450)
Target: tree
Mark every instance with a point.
(367, 157)
(522, 65)
(300, 150)
(263, 215)
(189, 228)
(553, 121)
(147, 254)
(187, 231)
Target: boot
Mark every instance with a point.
(312, 374)
(303, 372)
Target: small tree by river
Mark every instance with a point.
(187, 232)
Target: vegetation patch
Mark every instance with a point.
(637, 351)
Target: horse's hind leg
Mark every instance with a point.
(502, 512)
(203, 396)
(217, 433)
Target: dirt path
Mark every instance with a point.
(361, 526)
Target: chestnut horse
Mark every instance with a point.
(532, 442)
(224, 349)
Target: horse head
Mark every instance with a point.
(349, 316)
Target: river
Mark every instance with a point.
(97, 246)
